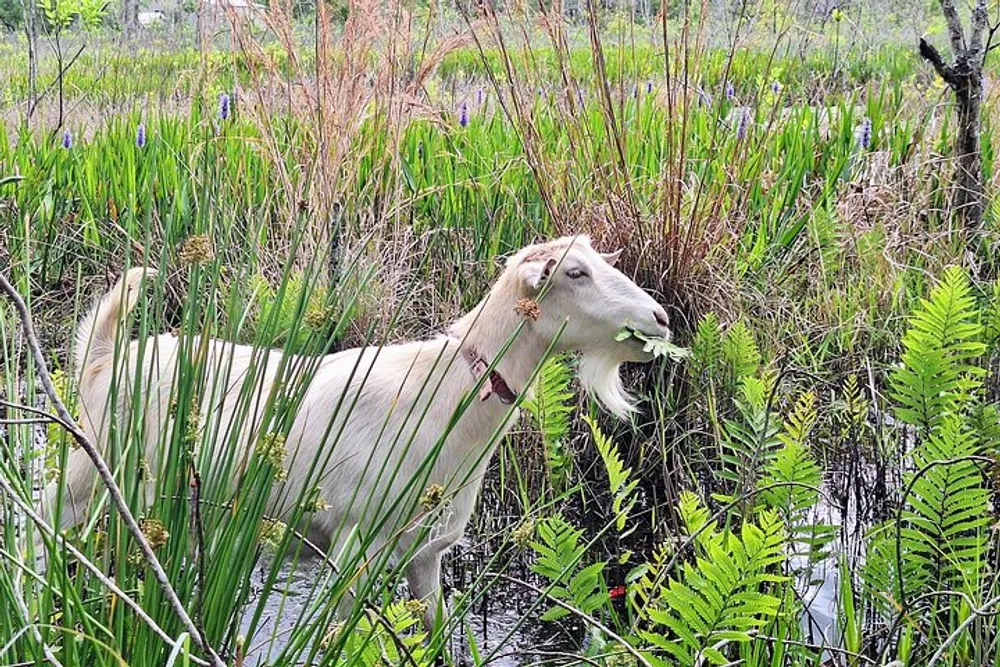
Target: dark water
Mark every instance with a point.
(493, 621)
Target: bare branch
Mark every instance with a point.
(104, 472)
(989, 40)
(931, 55)
(954, 27)
(980, 19)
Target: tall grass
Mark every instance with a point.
(347, 202)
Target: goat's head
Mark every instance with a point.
(589, 301)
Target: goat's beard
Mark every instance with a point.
(600, 378)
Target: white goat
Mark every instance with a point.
(405, 396)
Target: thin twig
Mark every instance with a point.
(975, 614)
(67, 422)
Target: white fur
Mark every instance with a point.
(386, 431)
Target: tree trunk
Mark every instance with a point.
(968, 200)
(965, 77)
(130, 18)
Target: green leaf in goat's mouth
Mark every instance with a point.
(657, 345)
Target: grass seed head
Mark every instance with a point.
(155, 532)
(523, 534)
(272, 532)
(197, 250)
(432, 497)
(271, 448)
(528, 308)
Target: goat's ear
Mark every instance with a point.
(612, 257)
(534, 274)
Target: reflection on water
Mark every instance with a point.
(493, 620)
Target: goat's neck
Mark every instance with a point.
(486, 330)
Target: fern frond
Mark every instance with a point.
(706, 348)
(801, 420)
(795, 466)
(723, 596)
(945, 530)
(551, 407)
(740, 350)
(623, 495)
(370, 642)
(937, 375)
(559, 553)
(853, 405)
(751, 442)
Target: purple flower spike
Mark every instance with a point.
(463, 115)
(730, 91)
(741, 129)
(649, 87)
(865, 134)
(480, 96)
(140, 135)
(776, 87)
(224, 106)
(67, 139)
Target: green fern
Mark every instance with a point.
(948, 524)
(559, 553)
(852, 407)
(984, 419)
(937, 375)
(794, 465)
(724, 595)
(944, 533)
(740, 351)
(294, 315)
(623, 495)
(551, 407)
(370, 642)
(751, 442)
(643, 578)
(706, 348)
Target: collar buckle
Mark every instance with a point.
(494, 384)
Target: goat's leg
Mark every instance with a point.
(76, 492)
(78, 480)
(423, 574)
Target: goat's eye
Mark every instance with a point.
(575, 273)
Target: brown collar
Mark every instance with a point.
(494, 384)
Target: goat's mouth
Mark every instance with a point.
(654, 345)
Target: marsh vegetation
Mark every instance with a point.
(812, 485)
